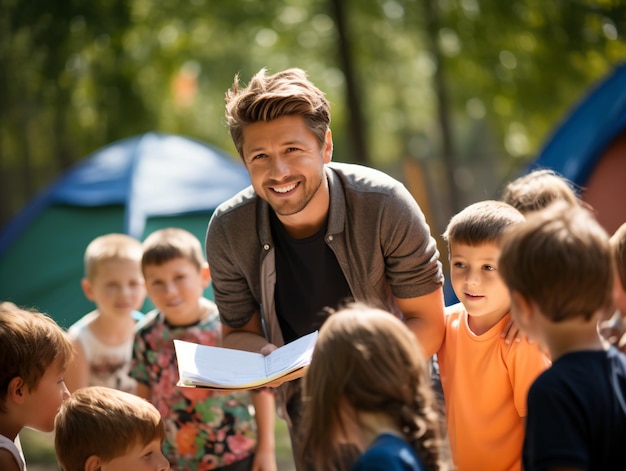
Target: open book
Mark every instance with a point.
(225, 368)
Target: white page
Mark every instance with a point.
(216, 366)
(291, 356)
(220, 366)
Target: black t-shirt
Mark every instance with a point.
(308, 279)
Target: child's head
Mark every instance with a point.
(34, 353)
(474, 236)
(559, 261)
(367, 361)
(176, 273)
(618, 248)
(103, 426)
(537, 189)
(113, 279)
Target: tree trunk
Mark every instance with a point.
(356, 122)
(431, 17)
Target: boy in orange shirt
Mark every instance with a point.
(485, 379)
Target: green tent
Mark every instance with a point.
(134, 186)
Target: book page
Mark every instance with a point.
(290, 356)
(201, 364)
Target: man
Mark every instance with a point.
(310, 235)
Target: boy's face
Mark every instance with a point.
(175, 288)
(476, 281)
(42, 403)
(117, 287)
(139, 458)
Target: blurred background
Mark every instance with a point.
(453, 97)
(466, 91)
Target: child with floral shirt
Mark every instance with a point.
(205, 430)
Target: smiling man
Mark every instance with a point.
(310, 235)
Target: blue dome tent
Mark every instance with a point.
(135, 186)
(589, 148)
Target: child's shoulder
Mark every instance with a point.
(83, 322)
(148, 320)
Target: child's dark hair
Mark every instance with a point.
(167, 244)
(482, 222)
(29, 343)
(560, 259)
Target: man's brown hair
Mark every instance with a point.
(268, 97)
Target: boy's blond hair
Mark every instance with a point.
(560, 259)
(618, 248)
(268, 97)
(538, 189)
(481, 223)
(167, 244)
(110, 247)
(104, 422)
(29, 343)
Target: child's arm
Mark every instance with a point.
(77, 374)
(7, 461)
(264, 457)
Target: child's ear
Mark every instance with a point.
(205, 273)
(85, 284)
(17, 390)
(93, 463)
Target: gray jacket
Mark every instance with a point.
(375, 228)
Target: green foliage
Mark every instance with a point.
(75, 76)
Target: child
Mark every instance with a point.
(34, 352)
(614, 329)
(368, 384)
(484, 379)
(558, 268)
(537, 189)
(204, 429)
(100, 428)
(103, 339)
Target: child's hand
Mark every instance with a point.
(511, 332)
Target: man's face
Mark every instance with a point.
(286, 165)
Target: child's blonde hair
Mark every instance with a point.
(368, 358)
(29, 343)
(561, 260)
(537, 189)
(110, 247)
(104, 422)
(167, 244)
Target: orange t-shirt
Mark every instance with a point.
(485, 384)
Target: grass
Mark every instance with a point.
(39, 449)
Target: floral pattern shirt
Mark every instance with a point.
(204, 430)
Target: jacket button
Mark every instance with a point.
(266, 246)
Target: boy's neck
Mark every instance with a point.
(112, 329)
(479, 325)
(573, 335)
